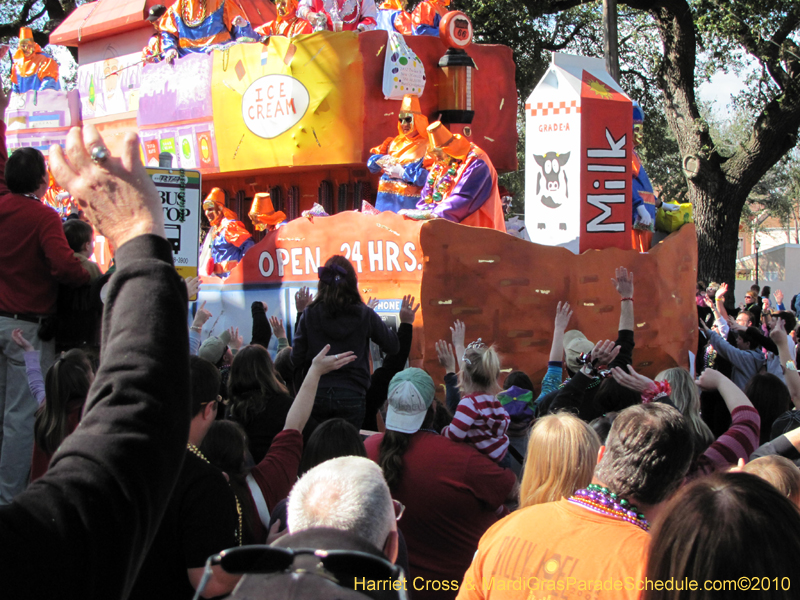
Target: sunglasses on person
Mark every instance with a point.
(346, 568)
(408, 119)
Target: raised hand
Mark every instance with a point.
(563, 315)
(20, 341)
(632, 379)
(278, 330)
(302, 298)
(623, 282)
(236, 339)
(447, 357)
(201, 316)
(604, 353)
(710, 380)
(324, 363)
(458, 332)
(407, 310)
(778, 333)
(192, 286)
(116, 194)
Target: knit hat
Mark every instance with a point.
(410, 396)
(575, 344)
(214, 347)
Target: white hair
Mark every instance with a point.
(347, 493)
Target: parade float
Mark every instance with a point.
(297, 117)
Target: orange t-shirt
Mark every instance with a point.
(559, 551)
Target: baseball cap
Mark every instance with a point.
(410, 396)
(575, 344)
(214, 347)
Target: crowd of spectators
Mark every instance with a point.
(157, 464)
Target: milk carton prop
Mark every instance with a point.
(578, 151)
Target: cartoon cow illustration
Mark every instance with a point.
(552, 168)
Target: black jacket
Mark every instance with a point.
(83, 529)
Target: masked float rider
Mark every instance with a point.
(227, 240)
(287, 22)
(196, 25)
(339, 15)
(462, 184)
(32, 70)
(401, 160)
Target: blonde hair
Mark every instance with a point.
(480, 370)
(562, 455)
(782, 473)
(686, 398)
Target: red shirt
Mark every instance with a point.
(34, 252)
(452, 494)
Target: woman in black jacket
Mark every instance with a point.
(339, 317)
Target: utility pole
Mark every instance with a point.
(610, 38)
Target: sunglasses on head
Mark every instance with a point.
(346, 568)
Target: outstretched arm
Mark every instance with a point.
(741, 439)
(103, 497)
(552, 377)
(790, 375)
(623, 282)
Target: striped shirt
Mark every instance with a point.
(739, 441)
(482, 421)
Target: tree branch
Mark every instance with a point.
(554, 47)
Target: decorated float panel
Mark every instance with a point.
(310, 101)
(504, 289)
(40, 119)
(298, 118)
(579, 152)
(384, 249)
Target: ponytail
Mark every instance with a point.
(480, 370)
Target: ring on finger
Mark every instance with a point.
(99, 154)
(336, 356)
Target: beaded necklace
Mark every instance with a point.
(187, 13)
(597, 381)
(196, 451)
(602, 500)
(442, 179)
(338, 14)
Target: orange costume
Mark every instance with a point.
(226, 241)
(462, 185)
(197, 25)
(427, 15)
(288, 23)
(400, 159)
(32, 70)
(57, 198)
(392, 16)
(557, 550)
